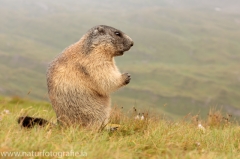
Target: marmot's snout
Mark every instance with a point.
(130, 43)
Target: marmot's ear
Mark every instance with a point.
(99, 29)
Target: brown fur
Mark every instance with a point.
(82, 77)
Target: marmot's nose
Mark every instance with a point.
(132, 43)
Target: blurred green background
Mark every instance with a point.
(185, 59)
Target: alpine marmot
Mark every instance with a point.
(82, 77)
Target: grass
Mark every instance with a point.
(153, 137)
(185, 55)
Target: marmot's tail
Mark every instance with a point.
(29, 122)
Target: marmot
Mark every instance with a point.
(82, 77)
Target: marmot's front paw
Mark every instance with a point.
(126, 77)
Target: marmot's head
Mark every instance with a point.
(111, 40)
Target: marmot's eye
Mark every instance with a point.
(117, 33)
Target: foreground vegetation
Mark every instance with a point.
(153, 137)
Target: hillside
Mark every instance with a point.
(185, 58)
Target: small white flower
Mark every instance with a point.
(198, 144)
(142, 117)
(137, 117)
(6, 111)
(200, 127)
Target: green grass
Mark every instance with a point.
(154, 137)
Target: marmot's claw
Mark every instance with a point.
(127, 78)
